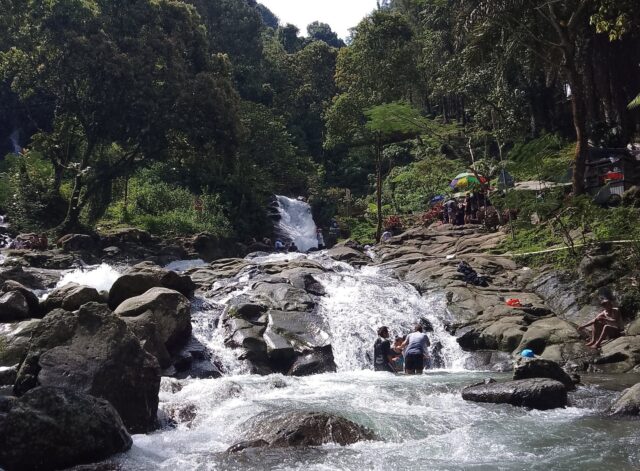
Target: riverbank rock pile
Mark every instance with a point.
(275, 324)
(537, 384)
(53, 428)
(301, 429)
(518, 309)
(90, 361)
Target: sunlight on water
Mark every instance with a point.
(296, 223)
(184, 265)
(101, 277)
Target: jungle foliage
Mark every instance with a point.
(122, 103)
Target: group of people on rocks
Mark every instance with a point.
(30, 242)
(408, 353)
(464, 210)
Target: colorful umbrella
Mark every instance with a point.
(466, 180)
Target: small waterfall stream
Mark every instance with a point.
(421, 421)
(296, 223)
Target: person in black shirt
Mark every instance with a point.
(382, 354)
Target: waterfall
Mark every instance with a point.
(357, 302)
(416, 419)
(296, 223)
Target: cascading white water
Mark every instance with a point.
(101, 277)
(296, 223)
(420, 422)
(359, 301)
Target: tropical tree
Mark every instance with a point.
(128, 81)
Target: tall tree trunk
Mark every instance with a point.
(578, 109)
(379, 186)
(72, 219)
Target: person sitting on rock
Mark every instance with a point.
(382, 354)
(293, 247)
(386, 235)
(607, 325)
(279, 246)
(415, 349)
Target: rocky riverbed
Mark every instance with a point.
(126, 338)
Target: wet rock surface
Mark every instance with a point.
(519, 309)
(70, 297)
(52, 428)
(161, 318)
(140, 278)
(628, 404)
(92, 351)
(527, 368)
(537, 393)
(302, 429)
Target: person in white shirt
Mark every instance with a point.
(415, 349)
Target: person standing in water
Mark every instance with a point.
(415, 348)
(382, 354)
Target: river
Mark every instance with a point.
(421, 422)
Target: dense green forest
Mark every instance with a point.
(124, 112)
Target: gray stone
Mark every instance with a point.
(303, 429)
(52, 428)
(282, 296)
(161, 318)
(14, 341)
(538, 393)
(349, 255)
(77, 242)
(8, 375)
(527, 368)
(315, 362)
(92, 351)
(628, 404)
(13, 306)
(70, 297)
(142, 277)
(32, 299)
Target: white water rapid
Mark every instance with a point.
(420, 422)
(296, 223)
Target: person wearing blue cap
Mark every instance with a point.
(527, 353)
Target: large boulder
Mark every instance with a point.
(628, 404)
(77, 242)
(161, 318)
(317, 361)
(349, 255)
(14, 341)
(547, 332)
(142, 277)
(51, 428)
(527, 368)
(282, 296)
(537, 393)
(70, 297)
(13, 306)
(93, 351)
(32, 300)
(301, 429)
(619, 355)
(30, 277)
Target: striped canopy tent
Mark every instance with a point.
(466, 180)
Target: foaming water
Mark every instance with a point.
(296, 223)
(359, 301)
(101, 277)
(420, 423)
(184, 265)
